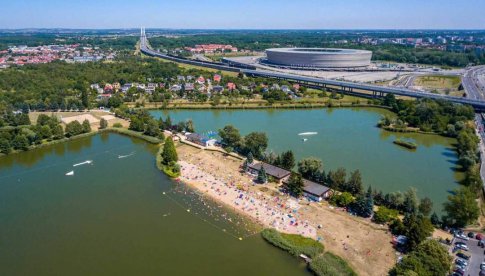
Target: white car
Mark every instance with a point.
(462, 236)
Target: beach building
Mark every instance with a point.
(314, 191)
(277, 173)
(200, 140)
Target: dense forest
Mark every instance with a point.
(59, 83)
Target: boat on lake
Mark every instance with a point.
(307, 133)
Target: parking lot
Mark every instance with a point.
(476, 252)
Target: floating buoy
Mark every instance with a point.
(240, 239)
(188, 210)
(163, 193)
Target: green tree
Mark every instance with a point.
(5, 146)
(364, 205)
(86, 126)
(411, 203)
(43, 120)
(262, 177)
(435, 220)
(384, 214)
(20, 142)
(310, 168)
(57, 132)
(342, 199)
(429, 259)
(462, 208)
(152, 128)
(104, 124)
(74, 128)
(230, 136)
(354, 184)
(189, 126)
(45, 132)
(426, 206)
(287, 160)
(295, 184)
(250, 158)
(256, 143)
(336, 179)
(136, 124)
(169, 153)
(418, 228)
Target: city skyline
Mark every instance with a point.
(309, 14)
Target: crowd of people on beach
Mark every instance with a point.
(270, 211)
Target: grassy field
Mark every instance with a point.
(219, 57)
(321, 264)
(440, 84)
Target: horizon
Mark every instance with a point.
(245, 15)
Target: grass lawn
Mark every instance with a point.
(441, 84)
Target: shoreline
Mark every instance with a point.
(257, 207)
(255, 107)
(120, 131)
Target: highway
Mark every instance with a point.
(477, 102)
(474, 84)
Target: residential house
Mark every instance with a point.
(180, 78)
(275, 86)
(201, 80)
(175, 88)
(189, 87)
(151, 87)
(217, 89)
(141, 86)
(108, 88)
(285, 89)
(217, 78)
(126, 87)
(231, 86)
(296, 87)
(116, 86)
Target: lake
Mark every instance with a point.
(112, 218)
(349, 138)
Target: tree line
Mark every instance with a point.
(18, 133)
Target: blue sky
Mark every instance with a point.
(245, 14)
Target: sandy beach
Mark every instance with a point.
(275, 212)
(366, 246)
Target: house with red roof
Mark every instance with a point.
(231, 86)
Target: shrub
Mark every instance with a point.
(117, 125)
(384, 215)
(342, 200)
(331, 265)
(294, 244)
